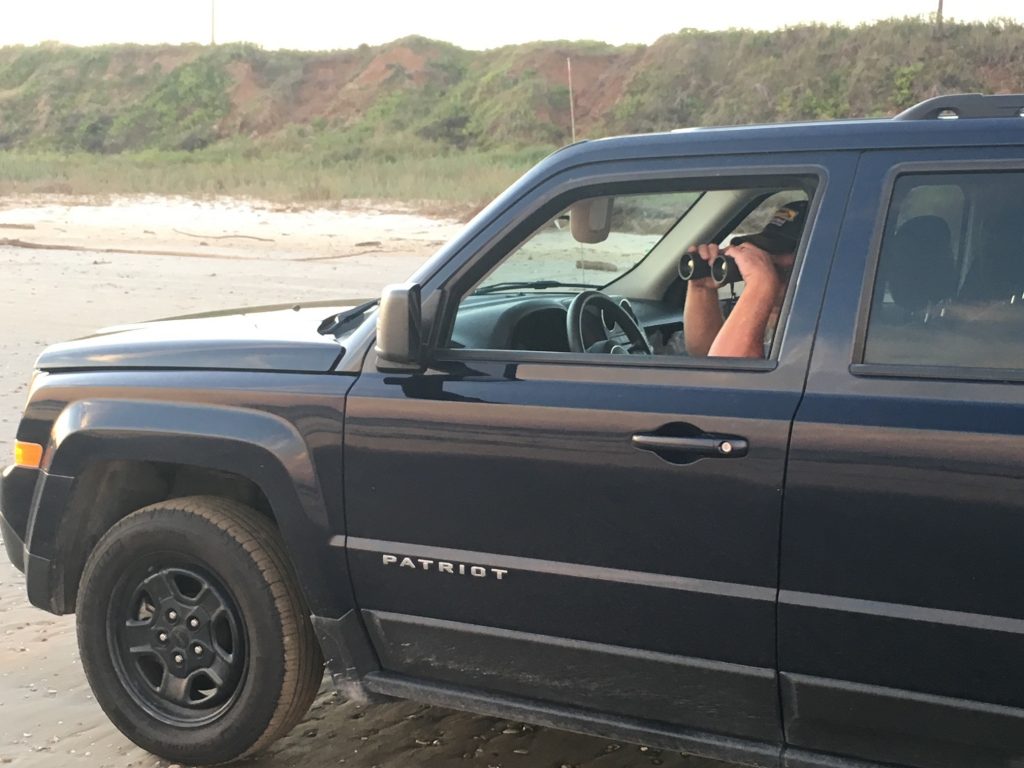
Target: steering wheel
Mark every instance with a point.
(601, 301)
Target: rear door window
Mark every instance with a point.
(949, 288)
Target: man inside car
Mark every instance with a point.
(765, 261)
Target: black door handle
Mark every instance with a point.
(712, 446)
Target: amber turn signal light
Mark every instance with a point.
(27, 454)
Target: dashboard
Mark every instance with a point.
(529, 321)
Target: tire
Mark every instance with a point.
(193, 632)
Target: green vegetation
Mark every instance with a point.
(420, 119)
(463, 180)
(816, 72)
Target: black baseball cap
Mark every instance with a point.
(782, 233)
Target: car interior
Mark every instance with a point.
(602, 274)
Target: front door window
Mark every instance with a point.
(634, 249)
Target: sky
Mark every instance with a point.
(333, 24)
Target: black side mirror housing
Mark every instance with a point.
(400, 329)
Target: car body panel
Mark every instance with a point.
(900, 617)
(274, 339)
(281, 431)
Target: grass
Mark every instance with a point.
(421, 120)
(466, 179)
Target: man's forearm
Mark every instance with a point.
(742, 334)
(702, 319)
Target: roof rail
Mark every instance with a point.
(966, 105)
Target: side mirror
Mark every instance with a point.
(399, 329)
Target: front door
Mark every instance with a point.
(514, 528)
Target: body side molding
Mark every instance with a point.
(512, 563)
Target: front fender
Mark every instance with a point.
(259, 446)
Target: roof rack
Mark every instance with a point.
(966, 105)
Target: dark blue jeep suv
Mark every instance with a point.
(521, 485)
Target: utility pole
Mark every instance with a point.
(572, 102)
(213, 22)
(938, 19)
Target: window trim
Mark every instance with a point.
(668, 181)
(676, 362)
(858, 366)
(938, 372)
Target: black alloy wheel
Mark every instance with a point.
(193, 631)
(178, 644)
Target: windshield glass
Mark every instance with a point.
(593, 242)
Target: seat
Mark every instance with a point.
(918, 266)
(918, 272)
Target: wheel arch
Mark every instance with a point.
(107, 458)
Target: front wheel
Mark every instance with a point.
(193, 632)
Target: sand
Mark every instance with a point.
(129, 259)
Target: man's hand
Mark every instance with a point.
(757, 268)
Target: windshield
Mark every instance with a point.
(609, 237)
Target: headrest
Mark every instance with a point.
(918, 263)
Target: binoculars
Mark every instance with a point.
(722, 270)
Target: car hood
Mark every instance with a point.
(278, 338)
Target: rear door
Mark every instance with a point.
(506, 534)
(901, 619)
